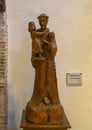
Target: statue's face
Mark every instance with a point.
(31, 26)
(43, 22)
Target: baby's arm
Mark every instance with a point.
(40, 33)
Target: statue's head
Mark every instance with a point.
(43, 20)
(31, 26)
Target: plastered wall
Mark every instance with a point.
(71, 20)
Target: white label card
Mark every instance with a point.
(74, 79)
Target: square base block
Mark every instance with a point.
(64, 125)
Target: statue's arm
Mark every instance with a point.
(40, 33)
(53, 45)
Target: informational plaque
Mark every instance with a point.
(74, 79)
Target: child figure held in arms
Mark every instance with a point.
(36, 39)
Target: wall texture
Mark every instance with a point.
(71, 20)
(3, 71)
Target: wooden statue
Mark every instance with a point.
(44, 106)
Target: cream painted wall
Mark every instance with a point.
(71, 20)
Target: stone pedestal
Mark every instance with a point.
(63, 125)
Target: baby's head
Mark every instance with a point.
(31, 26)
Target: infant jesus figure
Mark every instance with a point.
(37, 39)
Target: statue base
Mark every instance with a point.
(44, 114)
(63, 125)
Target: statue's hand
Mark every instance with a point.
(34, 62)
(47, 30)
(52, 34)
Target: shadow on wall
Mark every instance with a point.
(11, 114)
(20, 82)
(21, 72)
(20, 63)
